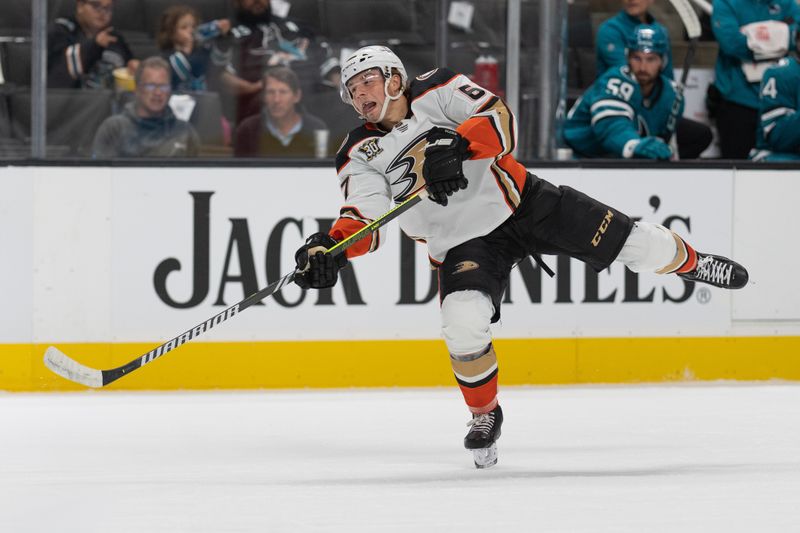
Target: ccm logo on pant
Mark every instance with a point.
(598, 236)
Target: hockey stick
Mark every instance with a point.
(705, 6)
(693, 30)
(68, 368)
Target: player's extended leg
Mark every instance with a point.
(563, 220)
(654, 248)
(466, 316)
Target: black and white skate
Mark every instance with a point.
(482, 437)
(718, 271)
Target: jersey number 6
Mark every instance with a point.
(473, 92)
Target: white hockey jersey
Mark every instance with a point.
(377, 167)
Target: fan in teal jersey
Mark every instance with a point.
(625, 113)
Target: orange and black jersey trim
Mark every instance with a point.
(351, 221)
(491, 135)
(365, 131)
(429, 81)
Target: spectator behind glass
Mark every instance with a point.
(752, 35)
(283, 128)
(260, 40)
(84, 50)
(613, 35)
(626, 111)
(187, 45)
(779, 125)
(147, 127)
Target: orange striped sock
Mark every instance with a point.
(691, 259)
(476, 375)
(480, 399)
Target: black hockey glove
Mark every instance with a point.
(442, 168)
(317, 269)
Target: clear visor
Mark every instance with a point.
(363, 79)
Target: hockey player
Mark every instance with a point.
(446, 134)
(626, 112)
(613, 38)
(779, 125)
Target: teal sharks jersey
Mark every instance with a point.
(613, 112)
(728, 17)
(779, 121)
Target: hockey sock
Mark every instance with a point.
(685, 258)
(476, 375)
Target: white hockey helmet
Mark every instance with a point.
(366, 58)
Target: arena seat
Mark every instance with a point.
(580, 24)
(15, 18)
(60, 8)
(309, 13)
(417, 58)
(207, 118)
(357, 21)
(338, 116)
(16, 60)
(5, 117)
(73, 116)
(144, 48)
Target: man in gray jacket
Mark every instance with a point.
(147, 127)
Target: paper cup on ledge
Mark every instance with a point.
(124, 80)
(321, 143)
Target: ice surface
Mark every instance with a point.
(704, 458)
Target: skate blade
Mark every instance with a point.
(485, 457)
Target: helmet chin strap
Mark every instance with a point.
(385, 102)
(388, 98)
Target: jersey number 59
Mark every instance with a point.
(620, 88)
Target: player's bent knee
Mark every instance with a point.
(648, 248)
(466, 316)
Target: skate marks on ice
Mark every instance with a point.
(415, 474)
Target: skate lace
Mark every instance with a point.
(482, 423)
(704, 266)
(716, 271)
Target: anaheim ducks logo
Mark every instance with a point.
(409, 160)
(465, 266)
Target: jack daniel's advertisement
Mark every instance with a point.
(209, 239)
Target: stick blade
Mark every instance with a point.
(689, 18)
(68, 368)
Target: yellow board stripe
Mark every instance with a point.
(403, 363)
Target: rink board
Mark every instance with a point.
(339, 364)
(107, 263)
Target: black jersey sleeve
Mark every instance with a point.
(354, 137)
(429, 81)
(69, 54)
